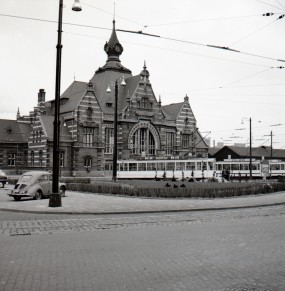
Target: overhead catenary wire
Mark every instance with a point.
(150, 35)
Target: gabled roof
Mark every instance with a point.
(13, 131)
(172, 110)
(70, 98)
(73, 94)
(47, 125)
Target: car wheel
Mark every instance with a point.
(62, 191)
(17, 198)
(39, 195)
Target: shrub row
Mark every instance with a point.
(214, 192)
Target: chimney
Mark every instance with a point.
(41, 101)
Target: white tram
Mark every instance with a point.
(240, 168)
(199, 168)
(149, 169)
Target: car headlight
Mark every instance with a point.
(23, 192)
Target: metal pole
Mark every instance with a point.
(55, 198)
(250, 151)
(115, 134)
(271, 150)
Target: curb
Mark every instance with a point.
(143, 211)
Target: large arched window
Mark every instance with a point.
(143, 142)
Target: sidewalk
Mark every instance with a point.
(88, 203)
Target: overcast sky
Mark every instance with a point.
(223, 86)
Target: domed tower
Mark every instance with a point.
(113, 49)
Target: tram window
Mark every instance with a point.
(204, 165)
(235, 167)
(210, 166)
(190, 165)
(244, 167)
(219, 167)
(199, 166)
(161, 166)
(132, 166)
(151, 166)
(282, 166)
(254, 166)
(142, 167)
(180, 166)
(275, 167)
(170, 166)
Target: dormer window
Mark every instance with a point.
(144, 103)
(109, 104)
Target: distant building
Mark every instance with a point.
(257, 153)
(146, 129)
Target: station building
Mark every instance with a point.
(146, 129)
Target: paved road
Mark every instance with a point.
(210, 250)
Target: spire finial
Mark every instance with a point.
(114, 13)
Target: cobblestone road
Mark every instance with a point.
(29, 224)
(214, 250)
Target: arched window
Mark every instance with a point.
(143, 142)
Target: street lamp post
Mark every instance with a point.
(115, 157)
(250, 150)
(55, 197)
(115, 148)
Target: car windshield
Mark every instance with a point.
(25, 179)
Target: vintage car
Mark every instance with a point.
(3, 178)
(36, 184)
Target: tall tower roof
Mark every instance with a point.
(113, 49)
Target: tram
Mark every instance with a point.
(239, 168)
(197, 168)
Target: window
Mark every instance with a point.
(133, 167)
(40, 158)
(151, 167)
(88, 136)
(32, 158)
(11, 160)
(142, 167)
(185, 141)
(25, 162)
(88, 162)
(144, 103)
(89, 113)
(108, 104)
(190, 165)
(169, 143)
(109, 140)
(170, 166)
(61, 159)
(180, 166)
(143, 142)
